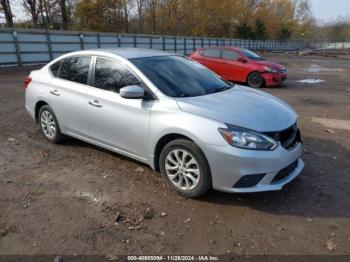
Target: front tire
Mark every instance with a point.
(255, 80)
(49, 125)
(185, 168)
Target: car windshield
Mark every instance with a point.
(251, 55)
(177, 76)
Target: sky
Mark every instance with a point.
(327, 10)
(323, 10)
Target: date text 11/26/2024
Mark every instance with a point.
(173, 258)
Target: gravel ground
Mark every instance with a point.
(76, 198)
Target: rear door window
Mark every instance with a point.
(212, 52)
(75, 69)
(111, 75)
(229, 54)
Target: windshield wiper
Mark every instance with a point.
(183, 95)
(220, 89)
(215, 90)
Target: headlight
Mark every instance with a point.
(247, 139)
(270, 69)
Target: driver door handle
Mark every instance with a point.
(55, 92)
(95, 103)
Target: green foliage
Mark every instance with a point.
(260, 30)
(284, 33)
(244, 31)
(339, 30)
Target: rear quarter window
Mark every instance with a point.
(55, 68)
(212, 52)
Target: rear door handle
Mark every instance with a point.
(55, 92)
(95, 103)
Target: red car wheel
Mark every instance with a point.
(255, 80)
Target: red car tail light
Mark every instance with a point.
(27, 81)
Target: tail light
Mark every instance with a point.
(27, 81)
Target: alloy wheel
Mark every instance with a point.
(48, 125)
(182, 169)
(255, 80)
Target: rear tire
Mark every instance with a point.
(255, 80)
(49, 125)
(185, 168)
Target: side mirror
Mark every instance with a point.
(242, 59)
(132, 92)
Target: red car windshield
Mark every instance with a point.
(251, 55)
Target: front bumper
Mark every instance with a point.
(273, 79)
(229, 164)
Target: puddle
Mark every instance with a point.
(315, 68)
(310, 81)
(333, 123)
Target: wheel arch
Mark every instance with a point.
(255, 71)
(38, 105)
(164, 140)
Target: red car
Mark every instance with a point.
(241, 65)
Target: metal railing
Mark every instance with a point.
(19, 47)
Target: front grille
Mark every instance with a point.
(285, 171)
(287, 137)
(283, 71)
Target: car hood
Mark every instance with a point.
(269, 64)
(242, 106)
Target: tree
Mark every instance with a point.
(260, 30)
(127, 6)
(244, 30)
(249, 19)
(6, 7)
(152, 9)
(303, 18)
(284, 33)
(64, 14)
(32, 8)
(46, 10)
(139, 4)
(302, 12)
(41, 11)
(338, 30)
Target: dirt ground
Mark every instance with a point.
(76, 198)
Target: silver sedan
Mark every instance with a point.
(171, 113)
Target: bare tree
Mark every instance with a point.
(139, 4)
(152, 6)
(64, 14)
(32, 8)
(5, 4)
(127, 6)
(47, 10)
(41, 11)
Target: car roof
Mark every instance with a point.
(127, 53)
(222, 47)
